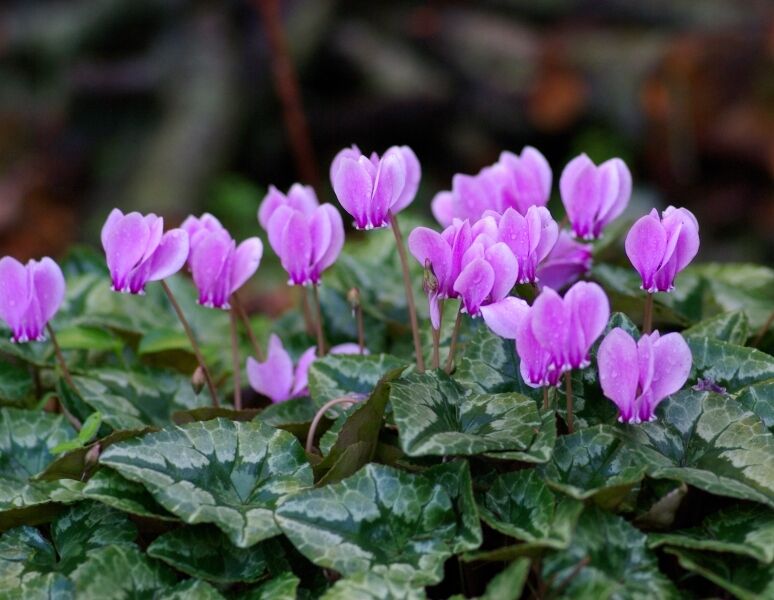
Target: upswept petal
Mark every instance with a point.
(514, 231)
(645, 245)
(274, 376)
(170, 255)
(320, 232)
(474, 285)
(276, 227)
(247, 259)
(107, 229)
(688, 240)
(549, 234)
(551, 324)
(271, 202)
(413, 172)
(353, 153)
(15, 292)
(614, 209)
(533, 358)
(671, 366)
(301, 376)
(577, 185)
(590, 310)
(618, 371)
(302, 197)
(353, 186)
(155, 231)
(505, 268)
(210, 264)
(296, 250)
(389, 183)
(428, 245)
(503, 317)
(336, 241)
(645, 360)
(124, 241)
(442, 207)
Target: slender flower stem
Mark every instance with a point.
(235, 303)
(306, 311)
(319, 323)
(647, 318)
(67, 377)
(194, 346)
(235, 360)
(763, 330)
(320, 414)
(453, 347)
(568, 392)
(409, 293)
(545, 397)
(360, 329)
(436, 359)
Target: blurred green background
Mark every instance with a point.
(174, 106)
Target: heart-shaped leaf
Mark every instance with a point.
(608, 558)
(456, 480)
(338, 375)
(436, 417)
(745, 530)
(380, 519)
(371, 586)
(16, 385)
(709, 441)
(759, 398)
(732, 327)
(280, 587)
(731, 367)
(108, 487)
(195, 589)
(594, 462)
(228, 473)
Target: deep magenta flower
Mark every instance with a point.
(567, 261)
(370, 189)
(220, 267)
(468, 263)
(594, 195)
(299, 197)
(659, 248)
(555, 334)
(30, 295)
(138, 251)
(276, 377)
(637, 376)
(307, 244)
(514, 181)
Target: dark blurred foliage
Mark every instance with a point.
(170, 105)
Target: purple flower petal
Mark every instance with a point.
(15, 293)
(276, 227)
(336, 242)
(578, 188)
(48, 286)
(671, 366)
(353, 153)
(388, 186)
(567, 261)
(428, 245)
(590, 311)
(534, 360)
(551, 324)
(210, 266)
(301, 377)
(247, 258)
(645, 245)
(503, 317)
(413, 175)
(125, 239)
(505, 268)
(617, 360)
(474, 285)
(347, 348)
(296, 250)
(614, 206)
(442, 207)
(353, 185)
(170, 255)
(274, 376)
(320, 233)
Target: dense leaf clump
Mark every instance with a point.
(421, 485)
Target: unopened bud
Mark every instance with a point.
(198, 380)
(429, 281)
(92, 456)
(353, 297)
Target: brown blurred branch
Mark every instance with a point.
(286, 86)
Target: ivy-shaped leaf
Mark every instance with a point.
(192, 589)
(16, 385)
(521, 505)
(396, 524)
(732, 327)
(540, 449)
(204, 551)
(49, 586)
(24, 552)
(280, 587)
(108, 487)
(745, 578)
(608, 558)
(223, 472)
(759, 398)
(744, 530)
(372, 586)
(709, 441)
(338, 375)
(594, 462)
(729, 366)
(456, 480)
(436, 417)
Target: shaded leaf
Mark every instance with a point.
(16, 384)
(109, 488)
(732, 327)
(371, 586)
(436, 417)
(49, 586)
(88, 338)
(759, 398)
(23, 550)
(280, 587)
(84, 436)
(732, 367)
(456, 480)
(223, 472)
(192, 589)
(542, 445)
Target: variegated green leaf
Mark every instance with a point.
(709, 441)
(436, 417)
(280, 587)
(383, 520)
(24, 553)
(49, 586)
(371, 586)
(204, 551)
(521, 505)
(729, 366)
(192, 589)
(456, 480)
(732, 327)
(594, 462)
(108, 487)
(608, 558)
(223, 472)
(16, 385)
(759, 398)
(745, 530)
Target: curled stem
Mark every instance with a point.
(235, 360)
(236, 304)
(67, 377)
(453, 347)
(409, 293)
(647, 318)
(568, 392)
(318, 417)
(319, 322)
(194, 346)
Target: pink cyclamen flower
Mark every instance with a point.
(138, 251)
(276, 377)
(637, 376)
(555, 334)
(659, 248)
(567, 261)
(468, 263)
(220, 267)
(370, 189)
(307, 236)
(30, 295)
(514, 181)
(594, 195)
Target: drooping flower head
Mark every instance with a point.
(555, 334)
(307, 236)
(370, 189)
(138, 251)
(468, 263)
(594, 195)
(278, 379)
(514, 181)
(567, 261)
(638, 375)
(220, 267)
(30, 295)
(659, 248)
